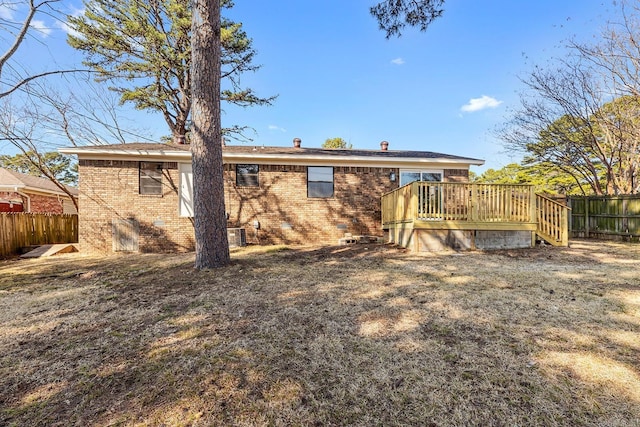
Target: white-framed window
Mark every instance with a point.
(319, 182)
(409, 175)
(150, 178)
(247, 175)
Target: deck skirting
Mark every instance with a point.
(442, 235)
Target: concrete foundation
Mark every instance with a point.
(502, 239)
(439, 240)
(462, 240)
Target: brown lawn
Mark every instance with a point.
(364, 335)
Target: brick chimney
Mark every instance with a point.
(384, 145)
(297, 142)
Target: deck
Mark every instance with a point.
(472, 215)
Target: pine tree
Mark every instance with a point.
(143, 48)
(212, 247)
(210, 222)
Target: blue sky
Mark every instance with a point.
(336, 75)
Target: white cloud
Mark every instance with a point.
(397, 61)
(274, 127)
(482, 103)
(40, 27)
(6, 12)
(68, 29)
(64, 26)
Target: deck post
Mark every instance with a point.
(533, 203)
(508, 206)
(473, 208)
(564, 224)
(414, 209)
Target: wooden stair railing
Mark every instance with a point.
(552, 218)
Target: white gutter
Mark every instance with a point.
(101, 151)
(287, 158)
(44, 191)
(357, 159)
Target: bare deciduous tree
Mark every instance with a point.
(45, 118)
(582, 114)
(11, 78)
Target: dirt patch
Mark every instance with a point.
(351, 335)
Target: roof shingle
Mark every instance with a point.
(13, 178)
(288, 151)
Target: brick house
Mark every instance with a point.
(138, 196)
(26, 193)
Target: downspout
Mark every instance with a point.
(26, 197)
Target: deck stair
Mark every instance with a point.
(552, 220)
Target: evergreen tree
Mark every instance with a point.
(61, 167)
(337, 143)
(212, 247)
(545, 176)
(144, 49)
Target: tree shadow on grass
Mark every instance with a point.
(331, 336)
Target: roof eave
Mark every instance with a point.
(256, 157)
(83, 151)
(47, 191)
(350, 159)
(11, 187)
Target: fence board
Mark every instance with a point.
(18, 230)
(602, 216)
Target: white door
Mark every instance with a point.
(186, 190)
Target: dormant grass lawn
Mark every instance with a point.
(366, 335)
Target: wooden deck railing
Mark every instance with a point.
(553, 221)
(449, 201)
(477, 205)
(398, 205)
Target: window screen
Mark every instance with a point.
(319, 182)
(247, 176)
(150, 178)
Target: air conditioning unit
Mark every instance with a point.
(237, 237)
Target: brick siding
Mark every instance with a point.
(287, 215)
(39, 203)
(456, 175)
(109, 191)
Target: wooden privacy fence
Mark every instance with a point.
(18, 230)
(605, 216)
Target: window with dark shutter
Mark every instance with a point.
(319, 182)
(247, 176)
(150, 174)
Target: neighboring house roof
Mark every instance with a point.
(16, 181)
(261, 154)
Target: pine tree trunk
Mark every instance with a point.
(210, 223)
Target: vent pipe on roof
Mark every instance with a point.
(223, 142)
(384, 145)
(297, 142)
